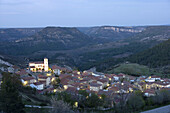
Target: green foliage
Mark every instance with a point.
(83, 93)
(103, 59)
(66, 97)
(10, 99)
(48, 39)
(59, 106)
(136, 102)
(162, 97)
(132, 69)
(93, 101)
(56, 82)
(155, 57)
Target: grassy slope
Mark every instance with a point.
(133, 69)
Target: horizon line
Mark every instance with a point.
(87, 26)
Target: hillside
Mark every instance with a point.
(106, 58)
(50, 38)
(151, 34)
(69, 46)
(11, 34)
(111, 33)
(157, 56)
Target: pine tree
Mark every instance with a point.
(10, 100)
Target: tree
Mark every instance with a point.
(10, 100)
(161, 97)
(136, 102)
(83, 93)
(66, 97)
(59, 106)
(93, 101)
(166, 95)
(56, 82)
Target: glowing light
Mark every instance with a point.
(76, 104)
(25, 83)
(48, 74)
(52, 79)
(65, 87)
(55, 90)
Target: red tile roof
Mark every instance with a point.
(22, 72)
(95, 85)
(56, 67)
(42, 76)
(28, 78)
(72, 90)
(63, 76)
(37, 83)
(151, 91)
(154, 76)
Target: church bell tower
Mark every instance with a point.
(45, 64)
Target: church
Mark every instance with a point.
(39, 66)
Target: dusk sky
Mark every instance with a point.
(41, 13)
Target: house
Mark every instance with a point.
(10, 69)
(22, 73)
(56, 69)
(130, 78)
(158, 85)
(76, 72)
(98, 74)
(152, 78)
(39, 66)
(44, 79)
(37, 85)
(28, 80)
(121, 75)
(110, 77)
(114, 89)
(103, 81)
(16, 68)
(116, 77)
(65, 83)
(72, 90)
(64, 76)
(142, 85)
(141, 79)
(155, 77)
(95, 87)
(149, 92)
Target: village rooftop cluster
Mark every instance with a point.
(41, 76)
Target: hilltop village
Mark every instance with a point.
(51, 79)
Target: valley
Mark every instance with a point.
(84, 48)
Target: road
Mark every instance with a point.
(35, 106)
(165, 109)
